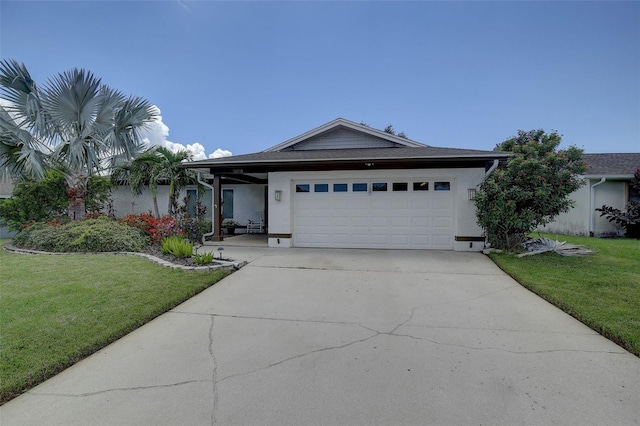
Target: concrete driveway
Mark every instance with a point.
(349, 337)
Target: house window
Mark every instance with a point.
(192, 198)
(302, 187)
(340, 187)
(400, 186)
(379, 186)
(420, 186)
(227, 203)
(359, 187)
(321, 187)
(441, 186)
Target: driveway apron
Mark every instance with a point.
(349, 337)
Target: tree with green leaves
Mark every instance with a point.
(178, 177)
(141, 172)
(530, 190)
(46, 199)
(73, 123)
(156, 165)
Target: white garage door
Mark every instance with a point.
(400, 214)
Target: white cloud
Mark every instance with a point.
(157, 133)
(219, 153)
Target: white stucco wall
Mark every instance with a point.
(578, 220)
(611, 193)
(248, 202)
(124, 202)
(281, 212)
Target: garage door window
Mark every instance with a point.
(400, 186)
(441, 186)
(359, 187)
(321, 187)
(420, 186)
(304, 187)
(340, 187)
(379, 186)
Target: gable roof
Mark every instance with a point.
(301, 141)
(344, 145)
(619, 165)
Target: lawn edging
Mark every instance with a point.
(219, 264)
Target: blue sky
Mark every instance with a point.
(244, 76)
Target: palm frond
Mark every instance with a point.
(546, 245)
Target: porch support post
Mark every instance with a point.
(216, 217)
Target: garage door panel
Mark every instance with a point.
(442, 222)
(421, 202)
(400, 222)
(389, 219)
(379, 221)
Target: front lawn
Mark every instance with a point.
(602, 289)
(58, 309)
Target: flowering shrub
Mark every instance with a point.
(530, 190)
(156, 229)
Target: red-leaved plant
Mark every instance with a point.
(155, 228)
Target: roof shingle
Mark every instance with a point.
(612, 164)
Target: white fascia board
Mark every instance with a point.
(349, 124)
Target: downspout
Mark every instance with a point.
(592, 215)
(203, 183)
(492, 168)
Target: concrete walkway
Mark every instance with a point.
(349, 337)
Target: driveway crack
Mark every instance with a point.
(331, 348)
(214, 373)
(133, 388)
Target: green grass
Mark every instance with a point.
(602, 289)
(56, 310)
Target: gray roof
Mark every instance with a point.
(623, 164)
(426, 152)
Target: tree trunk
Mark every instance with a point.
(77, 207)
(155, 207)
(171, 205)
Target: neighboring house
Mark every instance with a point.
(607, 182)
(346, 185)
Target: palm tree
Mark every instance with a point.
(74, 122)
(140, 172)
(178, 177)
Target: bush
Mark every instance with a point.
(156, 229)
(177, 246)
(194, 230)
(203, 258)
(530, 190)
(47, 199)
(91, 235)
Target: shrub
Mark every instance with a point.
(156, 229)
(47, 199)
(628, 219)
(177, 246)
(91, 235)
(194, 229)
(530, 190)
(203, 258)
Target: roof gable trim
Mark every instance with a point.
(350, 125)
